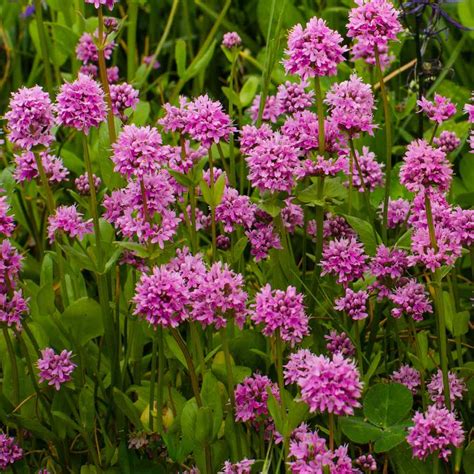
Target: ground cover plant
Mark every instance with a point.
(236, 236)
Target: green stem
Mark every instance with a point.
(436, 284)
(360, 358)
(320, 109)
(319, 237)
(132, 39)
(331, 430)
(43, 45)
(104, 80)
(281, 385)
(15, 377)
(161, 385)
(151, 400)
(435, 129)
(388, 142)
(213, 207)
(419, 357)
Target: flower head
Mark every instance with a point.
(241, 467)
(87, 51)
(68, 220)
(13, 308)
(331, 385)
(175, 117)
(251, 136)
(231, 40)
(262, 238)
(447, 141)
(370, 169)
(397, 212)
(314, 50)
(98, 3)
(10, 452)
(367, 462)
(351, 104)
(434, 431)
(364, 48)
(27, 169)
(283, 311)
(407, 376)
(354, 303)
(81, 104)
(344, 258)
(123, 96)
(425, 168)
(339, 342)
(271, 110)
(55, 369)
(292, 97)
(7, 224)
(439, 110)
(457, 387)
(30, 118)
(388, 263)
(162, 298)
(235, 209)
(82, 183)
(411, 299)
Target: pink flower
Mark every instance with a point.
(87, 51)
(98, 3)
(354, 303)
(410, 299)
(13, 308)
(68, 220)
(235, 209)
(113, 74)
(219, 297)
(81, 104)
(397, 213)
(251, 399)
(123, 96)
(7, 225)
(292, 97)
(376, 21)
(364, 49)
(331, 385)
(271, 111)
(371, 170)
(457, 387)
(30, 118)
(273, 165)
(55, 369)
(339, 342)
(281, 312)
(241, 467)
(425, 168)
(262, 238)
(27, 169)
(434, 431)
(388, 263)
(10, 266)
(10, 452)
(292, 216)
(351, 104)
(367, 462)
(162, 298)
(407, 376)
(82, 183)
(231, 40)
(251, 136)
(314, 50)
(175, 118)
(439, 110)
(344, 258)
(447, 141)
(137, 151)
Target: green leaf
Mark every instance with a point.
(211, 398)
(87, 408)
(126, 406)
(203, 433)
(297, 412)
(248, 91)
(358, 430)
(63, 418)
(141, 113)
(275, 411)
(173, 347)
(387, 404)
(232, 96)
(83, 318)
(34, 426)
(200, 65)
(188, 420)
(290, 16)
(468, 458)
(219, 187)
(390, 438)
(403, 461)
(372, 368)
(180, 56)
(238, 249)
(365, 232)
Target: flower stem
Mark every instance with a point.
(43, 45)
(151, 399)
(12, 356)
(281, 385)
(213, 207)
(132, 39)
(331, 431)
(388, 142)
(436, 284)
(161, 373)
(104, 80)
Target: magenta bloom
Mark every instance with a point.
(241, 467)
(82, 183)
(331, 385)
(376, 21)
(7, 225)
(262, 238)
(434, 431)
(98, 3)
(371, 171)
(425, 168)
(314, 50)
(273, 165)
(26, 168)
(354, 303)
(231, 40)
(206, 121)
(411, 299)
(309, 454)
(367, 462)
(175, 118)
(439, 110)
(292, 216)
(235, 209)
(162, 298)
(10, 265)
(447, 141)
(220, 296)
(10, 452)
(87, 52)
(68, 220)
(251, 398)
(13, 308)
(30, 118)
(457, 387)
(55, 369)
(113, 74)
(292, 97)
(123, 96)
(339, 342)
(397, 213)
(271, 110)
(351, 104)
(344, 258)
(388, 263)
(407, 376)
(81, 104)
(334, 227)
(281, 311)
(148, 59)
(251, 136)
(137, 151)
(363, 48)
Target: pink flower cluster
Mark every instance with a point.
(331, 385)
(407, 376)
(440, 110)
(339, 342)
(98, 3)
(69, 220)
(354, 303)
(10, 452)
(231, 40)
(241, 467)
(26, 168)
(55, 369)
(435, 388)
